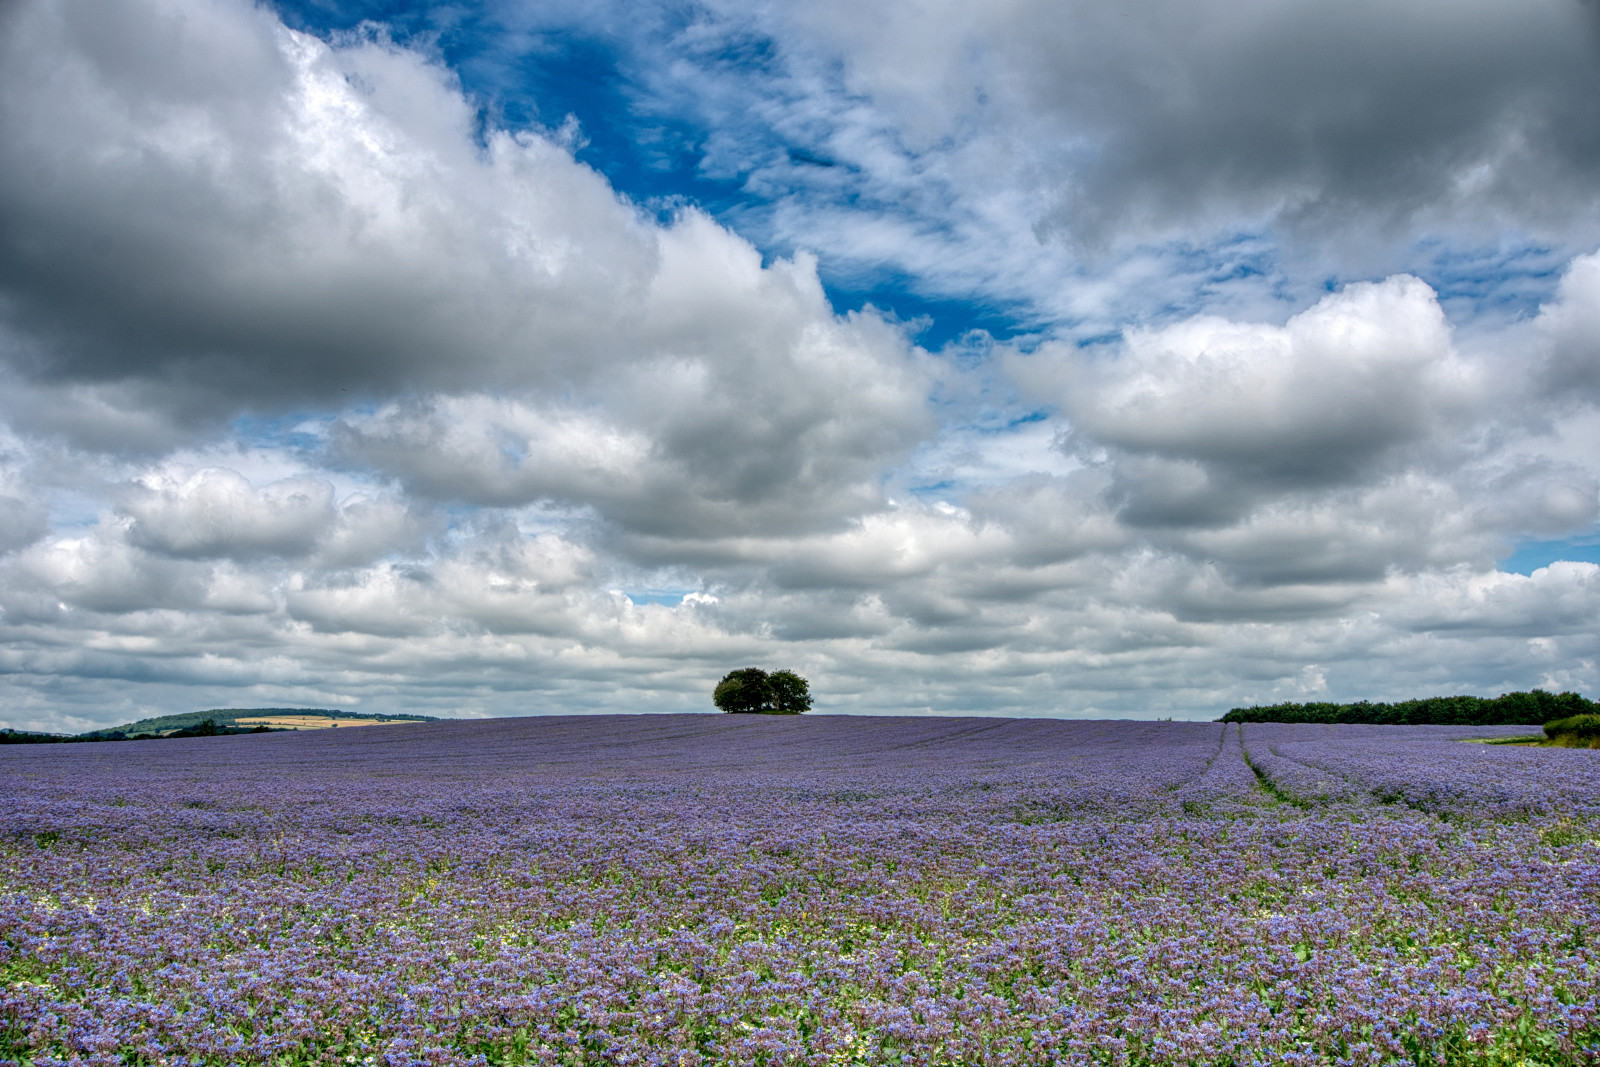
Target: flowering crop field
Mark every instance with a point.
(764, 890)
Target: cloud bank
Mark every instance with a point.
(325, 384)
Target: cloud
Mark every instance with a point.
(100, 573)
(22, 522)
(1078, 166)
(1199, 424)
(1353, 442)
(1554, 603)
(266, 220)
(1342, 382)
(1570, 326)
(1152, 117)
(329, 227)
(791, 434)
(23, 519)
(217, 513)
(322, 385)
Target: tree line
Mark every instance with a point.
(204, 728)
(1510, 709)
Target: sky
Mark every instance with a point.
(1075, 358)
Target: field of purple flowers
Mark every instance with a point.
(822, 891)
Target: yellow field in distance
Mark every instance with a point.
(312, 722)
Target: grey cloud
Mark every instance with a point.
(1570, 328)
(554, 399)
(370, 528)
(1155, 492)
(1317, 400)
(506, 623)
(292, 234)
(97, 573)
(329, 229)
(792, 438)
(1323, 115)
(216, 513)
(1054, 519)
(1165, 115)
(827, 615)
(1201, 425)
(22, 522)
(129, 416)
(1537, 497)
(1299, 467)
(1562, 599)
(385, 602)
(1085, 163)
(24, 519)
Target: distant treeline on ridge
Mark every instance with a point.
(1512, 709)
(214, 723)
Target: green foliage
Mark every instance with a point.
(26, 737)
(745, 690)
(790, 693)
(752, 690)
(1582, 731)
(204, 728)
(1536, 706)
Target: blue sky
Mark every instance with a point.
(1530, 556)
(525, 66)
(650, 147)
(1135, 359)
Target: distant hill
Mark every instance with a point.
(228, 719)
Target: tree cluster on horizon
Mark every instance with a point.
(753, 690)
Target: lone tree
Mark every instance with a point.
(753, 690)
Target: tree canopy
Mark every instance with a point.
(1535, 707)
(752, 690)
